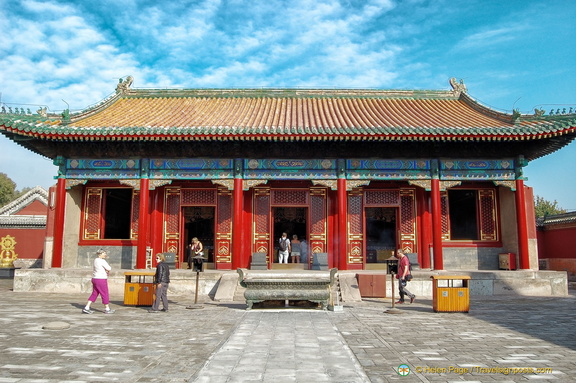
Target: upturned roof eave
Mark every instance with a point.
(155, 134)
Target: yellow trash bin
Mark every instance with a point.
(451, 293)
(139, 288)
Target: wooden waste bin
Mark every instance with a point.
(139, 288)
(451, 293)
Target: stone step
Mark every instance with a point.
(289, 266)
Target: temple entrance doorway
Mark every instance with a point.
(381, 234)
(199, 222)
(290, 220)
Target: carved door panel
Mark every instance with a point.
(408, 220)
(172, 221)
(317, 241)
(92, 213)
(488, 215)
(223, 244)
(261, 240)
(355, 228)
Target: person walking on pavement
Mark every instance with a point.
(403, 276)
(283, 248)
(162, 280)
(100, 271)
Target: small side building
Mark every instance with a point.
(557, 243)
(23, 229)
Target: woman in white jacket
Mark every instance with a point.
(100, 283)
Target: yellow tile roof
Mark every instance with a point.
(295, 115)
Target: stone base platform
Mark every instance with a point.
(483, 283)
(7, 272)
(489, 282)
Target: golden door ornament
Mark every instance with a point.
(7, 254)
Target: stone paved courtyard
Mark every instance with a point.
(504, 339)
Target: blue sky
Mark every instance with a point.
(511, 54)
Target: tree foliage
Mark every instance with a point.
(545, 208)
(7, 189)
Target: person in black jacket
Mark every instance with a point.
(162, 280)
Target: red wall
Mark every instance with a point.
(29, 242)
(35, 208)
(559, 243)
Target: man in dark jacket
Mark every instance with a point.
(162, 280)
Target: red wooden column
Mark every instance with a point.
(425, 223)
(342, 238)
(59, 222)
(143, 223)
(436, 225)
(522, 226)
(238, 258)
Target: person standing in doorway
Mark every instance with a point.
(403, 276)
(195, 248)
(304, 249)
(100, 271)
(283, 248)
(296, 249)
(162, 280)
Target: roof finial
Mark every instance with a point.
(459, 87)
(124, 85)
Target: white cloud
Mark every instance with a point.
(491, 37)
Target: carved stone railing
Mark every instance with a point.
(269, 285)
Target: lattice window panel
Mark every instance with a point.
(224, 227)
(262, 211)
(261, 221)
(172, 211)
(198, 197)
(445, 215)
(355, 214)
(408, 216)
(135, 214)
(488, 223)
(92, 216)
(408, 220)
(224, 214)
(290, 197)
(382, 198)
(317, 215)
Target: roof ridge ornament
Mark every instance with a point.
(124, 85)
(458, 87)
(42, 111)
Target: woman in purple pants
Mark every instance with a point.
(100, 283)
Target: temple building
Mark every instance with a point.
(353, 173)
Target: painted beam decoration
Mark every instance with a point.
(388, 169)
(191, 168)
(103, 168)
(477, 169)
(288, 169)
